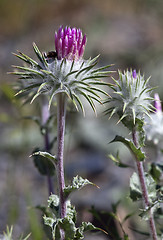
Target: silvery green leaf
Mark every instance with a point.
(77, 183)
(135, 190)
(138, 154)
(46, 155)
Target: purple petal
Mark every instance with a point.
(59, 53)
(81, 51)
(134, 74)
(65, 47)
(157, 103)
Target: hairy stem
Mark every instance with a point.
(61, 113)
(141, 174)
(45, 116)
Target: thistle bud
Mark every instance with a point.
(131, 97)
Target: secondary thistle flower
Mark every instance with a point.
(131, 98)
(154, 125)
(63, 71)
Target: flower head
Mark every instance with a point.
(131, 98)
(154, 125)
(64, 71)
(69, 43)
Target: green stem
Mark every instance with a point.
(141, 174)
(61, 113)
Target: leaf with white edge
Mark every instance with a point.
(145, 214)
(70, 211)
(49, 221)
(53, 201)
(77, 183)
(69, 228)
(141, 132)
(47, 155)
(138, 154)
(151, 187)
(85, 226)
(135, 190)
(44, 166)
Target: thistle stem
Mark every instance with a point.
(61, 113)
(140, 170)
(45, 116)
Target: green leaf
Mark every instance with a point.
(77, 183)
(135, 190)
(43, 164)
(49, 221)
(156, 170)
(151, 187)
(138, 154)
(85, 226)
(117, 161)
(141, 132)
(145, 214)
(46, 155)
(69, 228)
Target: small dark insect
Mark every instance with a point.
(50, 56)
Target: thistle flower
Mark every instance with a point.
(63, 71)
(131, 97)
(69, 43)
(154, 125)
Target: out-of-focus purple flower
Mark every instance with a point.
(157, 103)
(134, 74)
(69, 43)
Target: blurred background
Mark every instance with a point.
(125, 33)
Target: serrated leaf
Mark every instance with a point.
(138, 154)
(68, 227)
(141, 132)
(146, 213)
(135, 190)
(85, 226)
(53, 201)
(49, 221)
(77, 183)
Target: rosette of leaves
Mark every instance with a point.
(62, 71)
(131, 98)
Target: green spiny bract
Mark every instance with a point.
(131, 98)
(51, 76)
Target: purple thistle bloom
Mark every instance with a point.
(69, 43)
(134, 74)
(157, 103)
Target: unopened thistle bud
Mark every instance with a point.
(131, 97)
(63, 71)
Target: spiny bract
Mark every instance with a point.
(131, 97)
